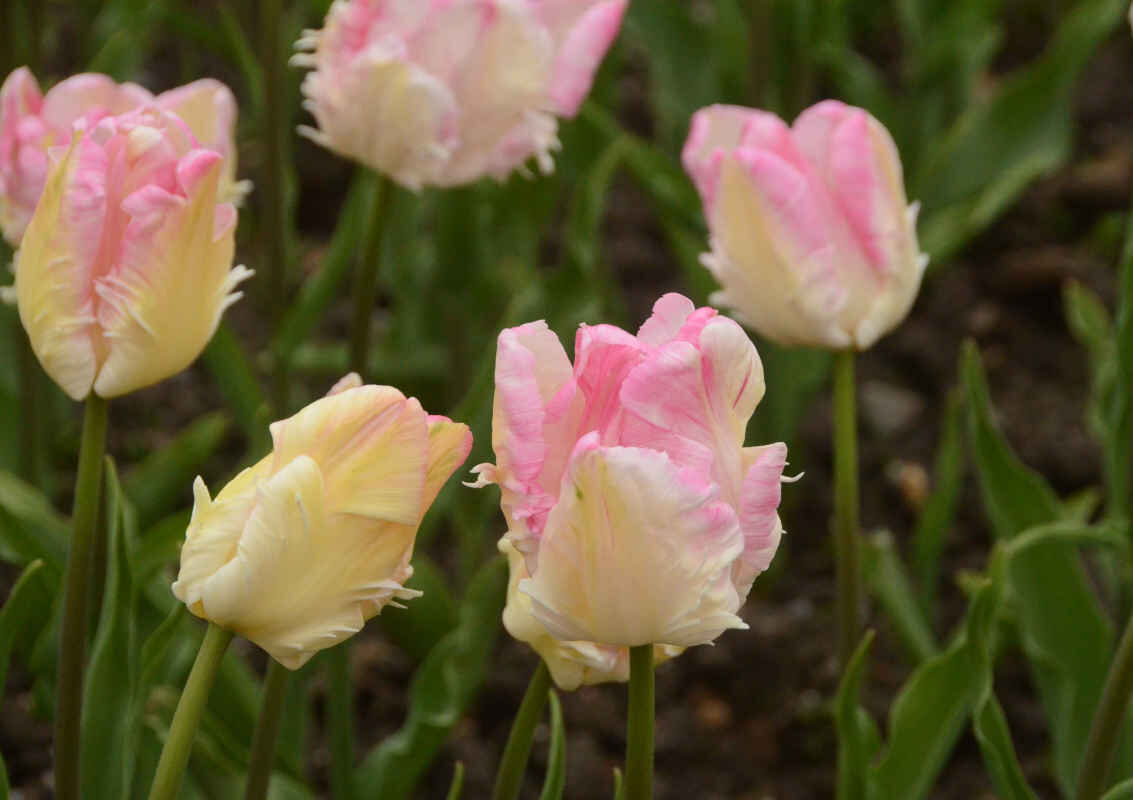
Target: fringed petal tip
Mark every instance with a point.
(485, 476)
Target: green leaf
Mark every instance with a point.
(422, 623)
(456, 787)
(29, 527)
(321, 289)
(1122, 791)
(27, 610)
(555, 781)
(442, 688)
(996, 149)
(237, 382)
(1068, 643)
(108, 748)
(1119, 414)
(619, 794)
(164, 478)
(1015, 496)
(994, 738)
(940, 509)
(159, 547)
(857, 734)
(889, 583)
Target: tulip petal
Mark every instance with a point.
(758, 511)
(371, 445)
(571, 663)
(635, 552)
(55, 265)
(581, 51)
(172, 282)
(449, 445)
(73, 97)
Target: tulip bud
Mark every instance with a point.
(813, 240)
(443, 92)
(635, 512)
(31, 123)
(126, 266)
(297, 552)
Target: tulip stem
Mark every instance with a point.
(846, 544)
(340, 711)
(1102, 741)
(187, 717)
(267, 732)
(513, 765)
(639, 728)
(272, 192)
(366, 277)
(73, 635)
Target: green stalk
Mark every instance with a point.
(341, 722)
(1102, 741)
(273, 183)
(267, 732)
(509, 776)
(187, 717)
(847, 547)
(366, 278)
(73, 635)
(639, 727)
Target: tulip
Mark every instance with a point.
(126, 266)
(572, 663)
(635, 514)
(443, 92)
(31, 123)
(813, 240)
(298, 551)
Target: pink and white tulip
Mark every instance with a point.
(444, 92)
(813, 240)
(298, 551)
(31, 123)
(126, 265)
(638, 514)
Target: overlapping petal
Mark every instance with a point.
(444, 92)
(299, 551)
(126, 267)
(813, 240)
(628, 470)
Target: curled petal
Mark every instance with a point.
(635, 552)
(758, 510)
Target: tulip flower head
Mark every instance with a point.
(444, 92)
(297, 552)
(635, 513)
(126, 265)
(31, 123)
(813, 240)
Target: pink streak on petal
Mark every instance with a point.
(581, 53)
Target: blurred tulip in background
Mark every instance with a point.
(813, 240)
(444, 92)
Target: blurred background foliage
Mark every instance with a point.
(616, 224)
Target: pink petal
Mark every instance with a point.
(580, 53)
(758, 509)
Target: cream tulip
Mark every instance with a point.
(298, 551)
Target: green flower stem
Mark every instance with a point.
(271, 192)
(341, 722)
(509, 776)
(366, 278)
(847, 547)
(190, 708)
(73, 636)
(639, 728)
(267, 732)
(1102, 741)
